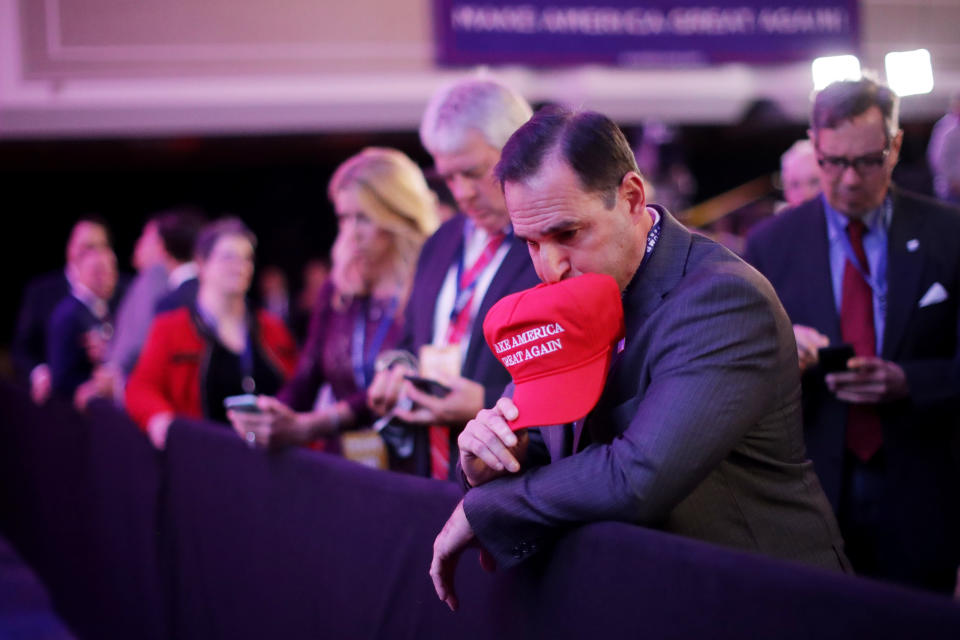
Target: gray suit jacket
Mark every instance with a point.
(698, 431)
(135, 315)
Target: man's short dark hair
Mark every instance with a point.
(178, 229)
(591, 144)
(847, 99)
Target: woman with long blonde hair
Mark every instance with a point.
(385, 211)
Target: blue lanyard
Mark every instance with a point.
(876, 279)
(362, 358)
(653, 237)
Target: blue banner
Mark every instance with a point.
(642, 32)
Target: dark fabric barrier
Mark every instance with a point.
(299, 544)
(25, 609)
(305, 545)
(612, 580)
(78, 499)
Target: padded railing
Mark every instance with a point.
(211, 539)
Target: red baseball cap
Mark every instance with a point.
(556, 340)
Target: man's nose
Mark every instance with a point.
(850, 175)
(554, 264)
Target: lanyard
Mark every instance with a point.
(361, 357)
(467, 284)
(876, 280)
(653, 236)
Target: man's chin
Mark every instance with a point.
(488, 220)
(853, 208)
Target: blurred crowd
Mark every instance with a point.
(380, 356)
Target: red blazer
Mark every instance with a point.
(167, 378)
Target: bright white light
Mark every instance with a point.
(834, 68)
(909, 72)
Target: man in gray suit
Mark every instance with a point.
(698, 430)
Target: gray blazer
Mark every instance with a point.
(698, 431)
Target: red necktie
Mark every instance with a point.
(864, 430)
(440, 434)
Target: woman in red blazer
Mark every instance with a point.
(197, 356)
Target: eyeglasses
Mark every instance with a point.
(835, 165)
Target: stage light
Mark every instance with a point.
(833, 68)
(909, 72)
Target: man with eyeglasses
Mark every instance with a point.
(874, 267)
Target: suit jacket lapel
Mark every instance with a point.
(433, 277)
(654, 280)
(813, 253)
(904, 269)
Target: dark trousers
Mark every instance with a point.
(860, 512)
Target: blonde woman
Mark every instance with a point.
(385, 211)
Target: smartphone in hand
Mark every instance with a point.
(246, 403)
(427, 385)
(834, 358)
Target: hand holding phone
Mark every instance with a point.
(427, 385)
(834, 358)
(246, 403)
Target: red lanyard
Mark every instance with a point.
(466, 286)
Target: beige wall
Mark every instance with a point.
(105, 67)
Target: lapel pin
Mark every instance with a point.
(913, 244)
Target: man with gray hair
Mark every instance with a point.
(471, 262)
(799, 173)
(874, 272)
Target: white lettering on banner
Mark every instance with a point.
(786, 20)
(537, 333)
(596, 21)
(521, 19)
(712, 21)
(705, 20)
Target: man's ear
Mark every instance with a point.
(632, 192)
(895, 145)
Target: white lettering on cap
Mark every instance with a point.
(536, 351)
(537, 333)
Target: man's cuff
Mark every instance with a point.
(464, 483)
(509, 542)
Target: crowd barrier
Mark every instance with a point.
(211, 539)
(25, 609)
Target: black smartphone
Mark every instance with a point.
(246, 403)
(427, 385)
(834, 358)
